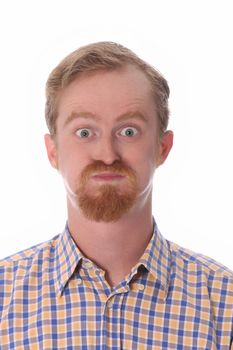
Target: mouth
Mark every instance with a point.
(108, 176)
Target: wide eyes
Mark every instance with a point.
(87, 133)
(84, 133)
(129, 132)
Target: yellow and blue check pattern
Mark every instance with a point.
(52, 297)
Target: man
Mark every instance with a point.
(110, 280)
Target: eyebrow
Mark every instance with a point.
(120, 118)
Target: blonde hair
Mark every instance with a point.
(97, 56)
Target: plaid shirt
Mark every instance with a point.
(52, 297)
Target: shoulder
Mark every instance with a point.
(200, 261)
(206, 283)
(27, 267)
(187, 257)
(25, 258)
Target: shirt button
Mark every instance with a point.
(87, 264)
(79, 281)
(110, 303)
(141, 287)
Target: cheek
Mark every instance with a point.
(70, 166)
(145, 168)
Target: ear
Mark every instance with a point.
(165, 145)
(51, 148)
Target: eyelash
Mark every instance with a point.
(136, 130)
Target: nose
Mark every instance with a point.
(106, 150)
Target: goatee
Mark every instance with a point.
(107, 202)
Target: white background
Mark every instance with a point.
(190, 42)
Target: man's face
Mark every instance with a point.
(106, 145)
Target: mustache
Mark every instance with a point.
(99, 166)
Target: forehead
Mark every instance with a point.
(107, 92)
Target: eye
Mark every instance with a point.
(84, 133)
(129, 131)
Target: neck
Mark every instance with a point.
(115, 247)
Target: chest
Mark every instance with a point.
(85, 317)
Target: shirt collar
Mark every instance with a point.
(156, 258)
(67, 258)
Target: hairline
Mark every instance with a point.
(118, 66)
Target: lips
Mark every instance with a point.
(108, 176)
